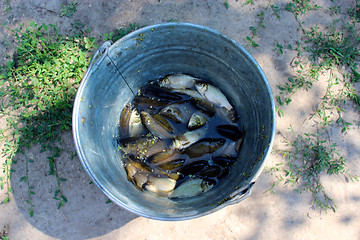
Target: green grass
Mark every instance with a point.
(68, 10)
(334, 51)
(38, 89)
(121, 32)
(309, 158)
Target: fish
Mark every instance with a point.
(190, 188)
(160, 185)
(173, 112)
(204, 106)
(213, 95)
(189, 92)
(193, 168)
(125, 120)
(163, 122)
(186, 139)
(230, 131)
(204, 146)
(141, 147)
(197, 120)
(164, 156)
(178, 81)
(131, 170)
(135, 124)
(148, 101)
(224, 160)
(172, 165)
(164, 94)
(210, 171)
(155, 127)
(141, 179)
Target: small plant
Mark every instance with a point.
(254, 30)
(68, 10)
(309, 158)
(4, 232)
(226, 4)
(121, 32)
(354, 12)
(300, 6)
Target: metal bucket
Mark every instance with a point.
(121, 68)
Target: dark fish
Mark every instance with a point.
(230, 131)
(224, 161)
(210, 171)
(163, 94)
(172, 165)
(146, 101)
(204, 146)
(193, 168)
(224, 171)
(204, 105)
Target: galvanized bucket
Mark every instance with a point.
(119, 69)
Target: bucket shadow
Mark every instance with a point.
(86, 214)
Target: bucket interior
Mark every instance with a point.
(151, 53)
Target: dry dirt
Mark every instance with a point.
(284, 215)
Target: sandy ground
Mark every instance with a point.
(284, 215)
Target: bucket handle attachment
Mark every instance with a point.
(99, 54)
(98, 57)
(240, 194)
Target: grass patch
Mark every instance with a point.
(309, 158)
(333, 51)
(68, 10)
(38, 89)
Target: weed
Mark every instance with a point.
(226, 4)
(300, 6)
(309, 158)
(8, 7)
(4, 232)
(254, 30)
(354, 12)
(121, 32)
(39, 87)
(68, 10)
(249, 2)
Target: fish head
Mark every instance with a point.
(201, 87)
(164, 82)
(135, 117)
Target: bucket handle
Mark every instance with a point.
(98, 56)
(240, 194)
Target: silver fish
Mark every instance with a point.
(197, 120)
(178, 81)
(190, 188)
(213, 95)
(135, 124)
(160, 185)
(188, 138)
